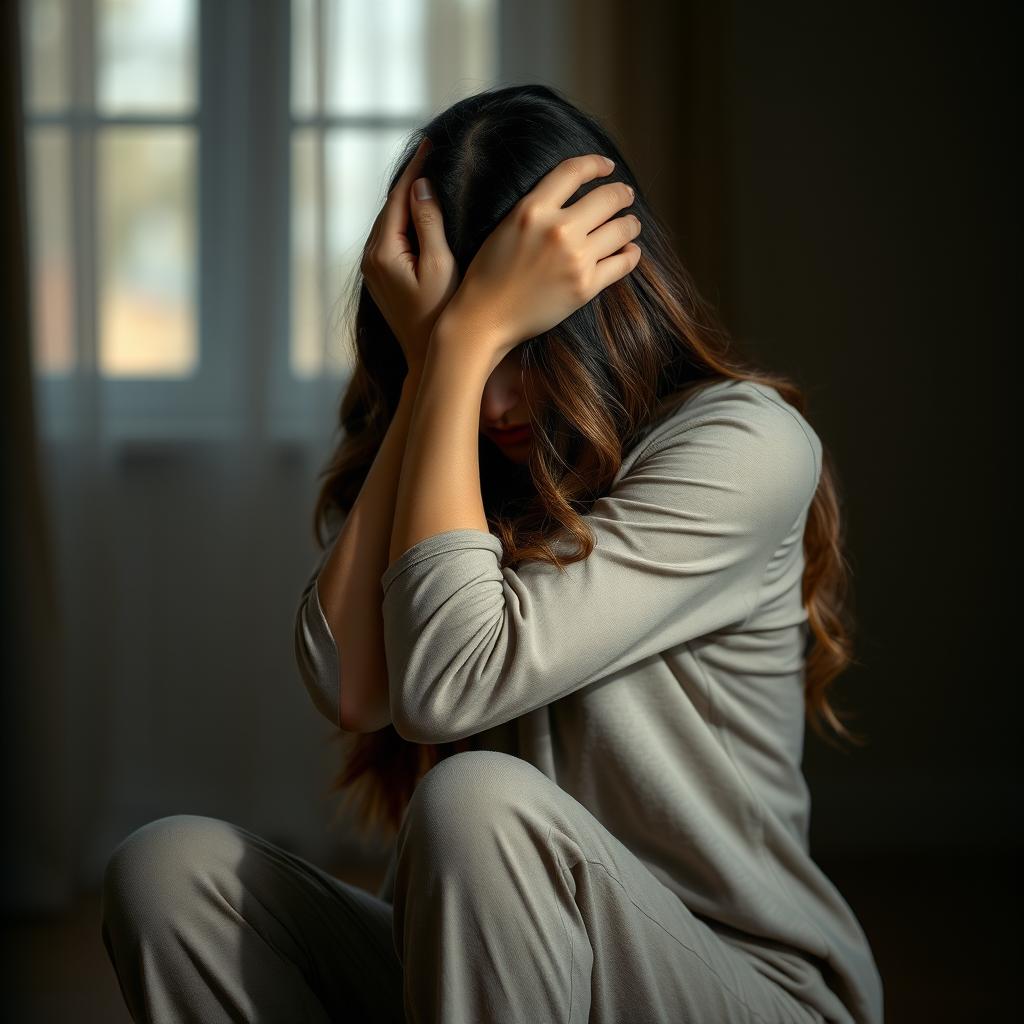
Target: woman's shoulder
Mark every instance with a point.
(747, 418)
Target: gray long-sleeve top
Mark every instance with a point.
(659, 681)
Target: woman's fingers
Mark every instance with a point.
(542, 262)
(598, 205)
(390, 229)
(429, 222)
(558, 186)
(615, 267)
(612, 235)
(592, 216)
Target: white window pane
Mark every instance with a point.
(146, 56)
(147, 250)
(375, 58)
(53, 295)
(47, 59)
(307, 304)
(358, 165)
(304, 55)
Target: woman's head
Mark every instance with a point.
(487, 151)
(589, 388)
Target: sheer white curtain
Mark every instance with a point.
(188, 248)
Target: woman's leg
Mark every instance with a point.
(205, 921)
(512, 902)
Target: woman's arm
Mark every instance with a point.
(349, 583)
(683, 542)
(410, 291)
(434, 435)
(538, 266)
(439, 487)
(542, 262)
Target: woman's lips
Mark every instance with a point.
(515, 436)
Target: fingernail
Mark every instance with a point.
(421, 188)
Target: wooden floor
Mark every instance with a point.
(945, 931)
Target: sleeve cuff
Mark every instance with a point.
(439, 544)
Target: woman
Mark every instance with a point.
(574, 659)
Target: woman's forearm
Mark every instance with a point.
(439, 488)
(349, 582)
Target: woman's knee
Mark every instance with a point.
(476, 783)
(159, 865)
(468, 798)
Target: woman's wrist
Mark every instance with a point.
(461, 338)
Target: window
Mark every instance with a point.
(201, 177)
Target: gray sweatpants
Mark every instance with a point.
(512, 903)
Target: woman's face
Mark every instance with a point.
(504, 405)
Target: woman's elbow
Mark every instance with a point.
(415, 728)
(366, 707)
(421, 720)
(362, 720)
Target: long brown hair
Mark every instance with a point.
(595, 384)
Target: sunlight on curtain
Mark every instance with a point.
(48, 158)
(53, 292)
(47, 78)
(147, 252)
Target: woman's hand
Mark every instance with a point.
(543, 261)
(410, 291)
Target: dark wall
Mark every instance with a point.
(870, 236)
